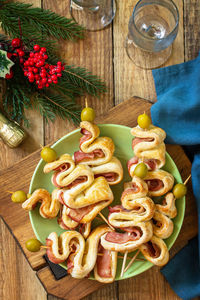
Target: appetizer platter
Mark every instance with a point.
(120, 174)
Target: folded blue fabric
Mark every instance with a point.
(177, 111)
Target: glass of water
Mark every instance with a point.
(153, 27)
(93, 14)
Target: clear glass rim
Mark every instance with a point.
(170, 33)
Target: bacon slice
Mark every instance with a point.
(136, 231)
(86, 136)
(133, 161)
(80, 156)
(117, 208)
(136, 141)
(54, 179)
(77, 181)
(104, 263)
(110, 177)
(153, 249)
(78, 214)
(122, 238)
(151, 163)
(154, 184)
(50, 254)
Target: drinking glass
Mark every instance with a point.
(153, 27)
(93, 14)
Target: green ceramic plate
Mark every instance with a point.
(122, 138)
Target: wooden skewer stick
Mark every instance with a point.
(86, 102)
(132, 260)
(9, 192)
(124, 262)
(186, 181)
(101, 254)
(102, 216)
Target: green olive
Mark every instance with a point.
(179, 190)
(141, 170)
(19, 196)
(88, 114)
(48, 154)
(144, 121)
(33, 245)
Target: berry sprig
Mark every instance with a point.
(36, 68)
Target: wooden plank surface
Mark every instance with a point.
(127, 81)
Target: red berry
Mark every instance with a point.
(31, 54)
(44, 80)
(37, 77)
(9, 55)
(30, 69)
(10, 75)
(16, 43)
(59, 63)
(35, 60)
(49, 80)
(45, 56)
(40, 86)
(25, 73)
(55, 81)
(46, 66)
(43, 49)
(59, 75)
(47, 85)
(54, 77)
(59, 69)
(21, 60)
(21, 53)
(63, 68)
(36, 47)
(43, 75)
(31, 79)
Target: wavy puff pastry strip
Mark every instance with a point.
(134, 198)
(112, 171)
(65, 163)
(168, 207)
(122, 242)
(162, 225)
(155, 251)
(79, 179)
(94, 150)
(149, 144)
(85, 255)
(50, 205)
(106, 265)
(98, 191)
(159, 182)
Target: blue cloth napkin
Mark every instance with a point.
(177, 111)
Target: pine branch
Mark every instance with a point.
(83, 80)
(37, 20)
(52, 105)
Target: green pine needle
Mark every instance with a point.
(38, 20)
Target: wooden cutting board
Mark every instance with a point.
(19, 175)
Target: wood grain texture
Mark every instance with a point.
(191, 28)
(18, 280)
(127, 76)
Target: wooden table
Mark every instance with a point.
(103, 53)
